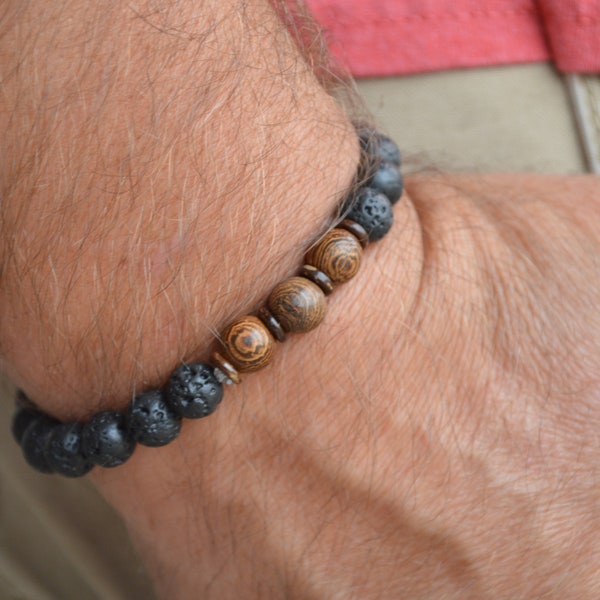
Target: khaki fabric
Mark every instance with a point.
(515, 118)
(58, 538)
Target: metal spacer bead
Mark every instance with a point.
(225, 372)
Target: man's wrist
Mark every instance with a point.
(271, 431)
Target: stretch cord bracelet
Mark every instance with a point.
(153, 418)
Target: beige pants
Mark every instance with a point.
(59, 539)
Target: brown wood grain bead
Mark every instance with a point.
(221, 363)
(272, 324)
(248, 344)
(357, 230)
(298, 304)
(317, 277)
(338, 255)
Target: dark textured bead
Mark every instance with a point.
(151, 421)
(338, 254)
(105, 440)
(22, 418)
(358, 231)
(387, 150)
(224, 370)
(33, 443)
(272, 324)
(64, 453)
(379, 147)
(387, 179)
(298, 304)
(317, 277)
(248, 344)
(373, 211)
(193, 391)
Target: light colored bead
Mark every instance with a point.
(338, 255)
(248, 344)
(298, 304)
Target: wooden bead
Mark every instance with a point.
(248, 344)
(272, 324)
(317, 277)
(358, 231)
(298, 304)
(338, 255)
(225, 368)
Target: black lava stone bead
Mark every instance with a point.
(386, 150)
(63, 451)
(388, 180)
(105, 439)
(194, 391)
(22, 418)
(373, 211)
(34, 440)
(379, 147)
(151, 421)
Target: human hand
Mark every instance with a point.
(435, 437)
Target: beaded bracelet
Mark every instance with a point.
(153, 418)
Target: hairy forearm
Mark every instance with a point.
(159, 156)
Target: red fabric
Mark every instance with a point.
(573, 28)
(387, 37)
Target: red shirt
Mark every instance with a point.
(388, 37)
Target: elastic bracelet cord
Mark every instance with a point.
(194, 390)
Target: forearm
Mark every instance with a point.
(170, 155)
(153, 200)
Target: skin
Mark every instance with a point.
(436, 436)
